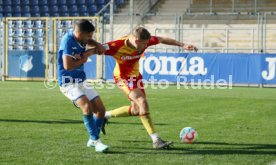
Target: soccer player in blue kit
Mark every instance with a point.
(72, 55)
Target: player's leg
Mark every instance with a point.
(81, 98)
(76, 94)
(99, 111)
(139, 98)
(86, 107)
(124, 111)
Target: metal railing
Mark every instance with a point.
(233, 6)
(225, 40)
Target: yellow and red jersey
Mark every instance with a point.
(127, 58)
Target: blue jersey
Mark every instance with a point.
(69, 46)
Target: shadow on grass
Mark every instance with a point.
(66, 121)
(63, 121)
(206, 148)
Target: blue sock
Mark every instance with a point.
(99, 123)
(91, 127)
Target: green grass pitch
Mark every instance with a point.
(235, 126)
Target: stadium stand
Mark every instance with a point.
(52, 8)
(20, 32)
(227, 6)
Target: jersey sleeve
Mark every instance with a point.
(153, 41)
(111, 48)
(67, 48)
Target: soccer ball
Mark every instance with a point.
(188, 135)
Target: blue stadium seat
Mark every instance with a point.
(15, 2)
(59, 24)
(64, 14)
(54, 9)
(68, 24)
(43, 2)
(10, 24)
(76, 14)
(90, 2)
(35, 9)
(102, 6)
(16, 14)
(55, 14)
(1, 2)
(44, 9)
(28, 41)
(27, 24)
(7, 14)
(39, 41)
(19, 24)
(61, 2)
(25, 2)
(59, 32)
(102, 2)
(16, 9)
(37, 24)
(38, 33)
(71, 2)
(81, 2)
(52, 2)
(10, 32)
(73, 9)
(10, 47)
(7, 2)
(1, 9)
(19, 41)
(82, 8)
(35, 14)
(34, 2)
(63, 9)
(30, 47)
(25, 9)
(45, 14)
(84, 14)
(10, 41)
(1, 15)
(26, 14)
(93, 9)
(18, 32)
(28, 32)
(8, 9)
(120, 2)
(20, 47)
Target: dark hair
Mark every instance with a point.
(84, 26)
(142, 33)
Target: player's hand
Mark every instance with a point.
(100, 49)
(190, 47)
(85, 58)
(78, 56)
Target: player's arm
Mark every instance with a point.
(71, 62)
(99, 46)
(170, 41)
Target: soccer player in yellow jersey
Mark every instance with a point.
(127, 52)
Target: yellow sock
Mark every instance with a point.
(120, 112)
(148, 124)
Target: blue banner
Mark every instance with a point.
(233, 68)
(26, 64)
